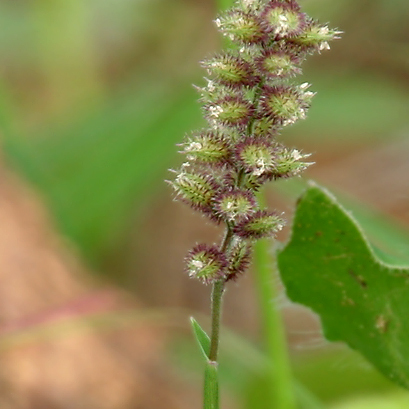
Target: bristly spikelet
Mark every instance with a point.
(233, 204)
(265, 126)
(239, 259)
(206, 263)
(289, 163)
(251, 6)
(208, 148)
(284, 105)
(261, 224)
(283, 19)
(215, 91)
(241, 27)
(315, 37)
(229, 111)
(256, 156)
(196, 189)
(230, 70)
(278, 63)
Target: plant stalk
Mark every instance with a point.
(274, 335)
(217, 295)
(281, 383)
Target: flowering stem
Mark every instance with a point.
(217, 295)
(256, 101)
(247, 101)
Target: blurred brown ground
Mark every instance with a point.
(80, 367)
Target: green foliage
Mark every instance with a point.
(211, 378)
(202, 338)
(329, 266)
(357, 97)
(95, 172)
(392, 401)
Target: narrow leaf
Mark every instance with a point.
(202, 338)
(329, 266)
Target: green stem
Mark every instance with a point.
(211, 386)
(256, 101)
(280, 373)
(217, 295)
(274, 333)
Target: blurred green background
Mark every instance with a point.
(95, 94)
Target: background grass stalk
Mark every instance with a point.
(279, 371)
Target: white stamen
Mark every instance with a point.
(218, 64)
(197, 264)
(194, 146)
(324, 46)
(215, 110)
(261, 167)
(323, 30)
(296, 155)
(210, 85)
(309, 94)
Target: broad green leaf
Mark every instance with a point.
(386, 235)
(211, 386)
(202, 338)
(329, 266)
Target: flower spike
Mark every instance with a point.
(249, 97)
